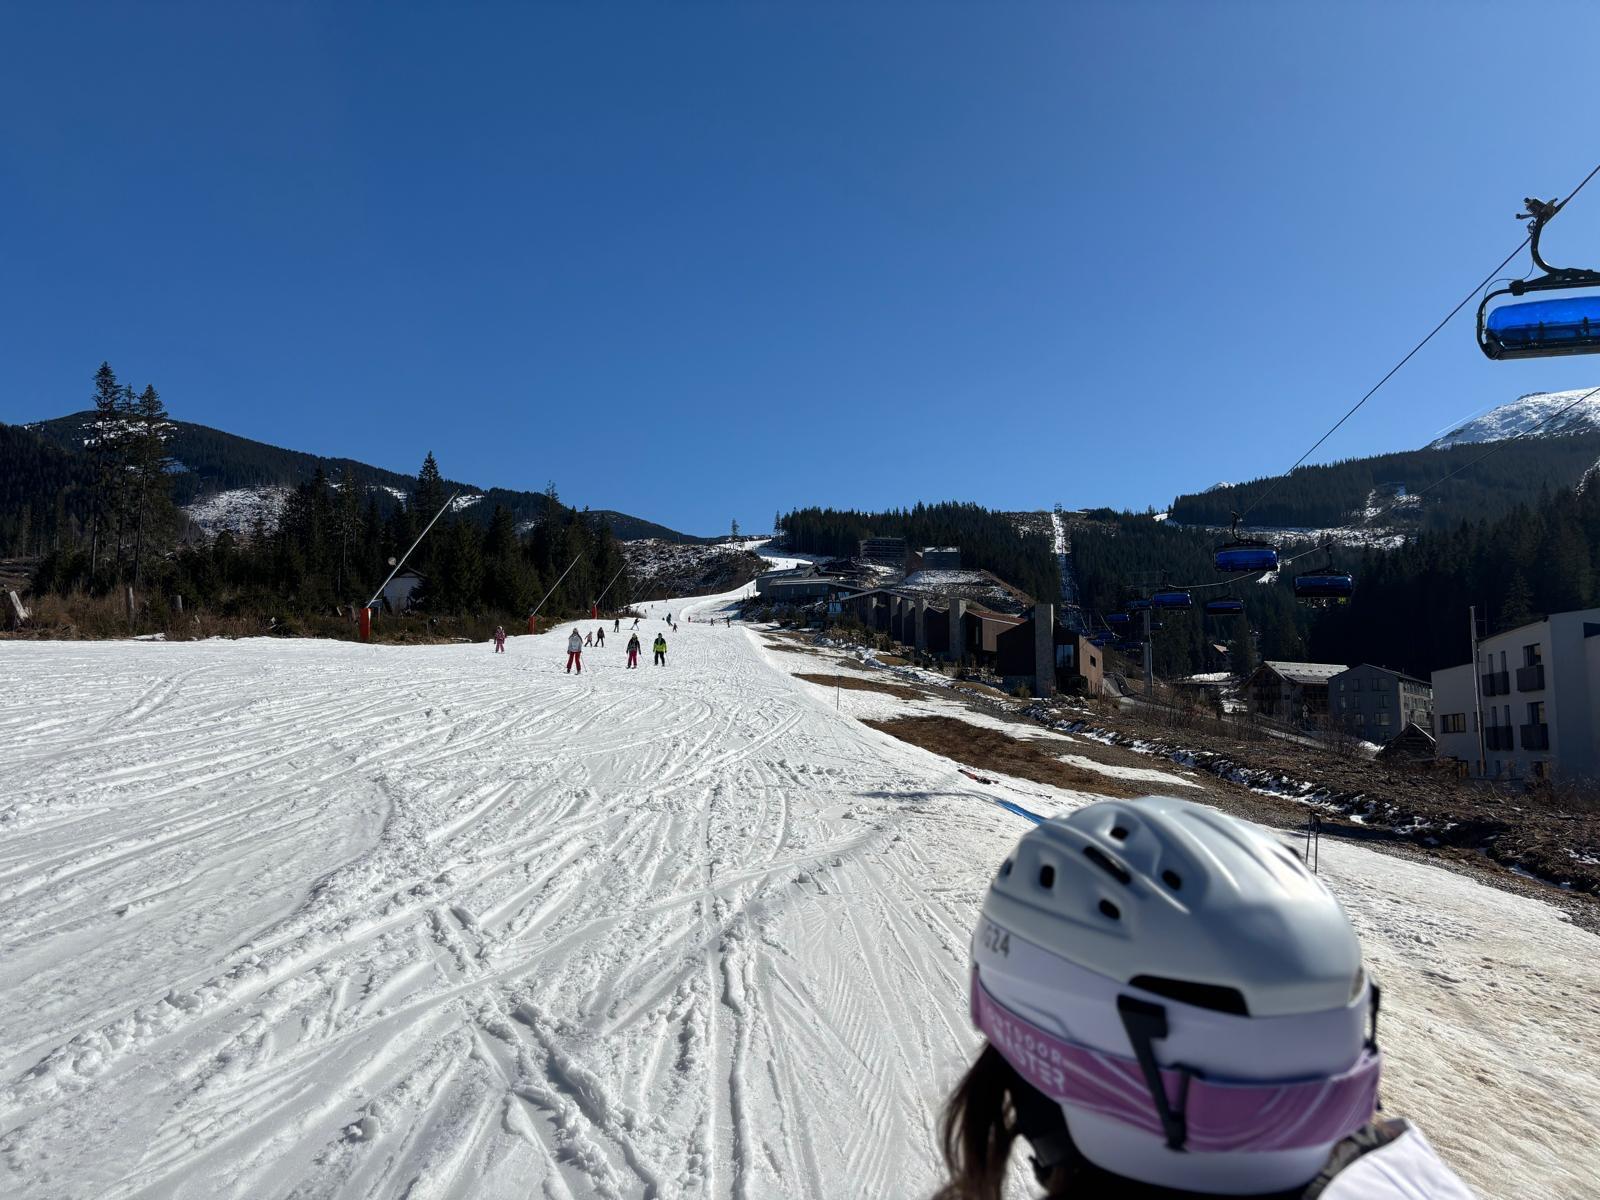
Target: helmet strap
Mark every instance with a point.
(1145, 1024)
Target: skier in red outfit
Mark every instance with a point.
(633, 652)
(499, 639)
(575, 652)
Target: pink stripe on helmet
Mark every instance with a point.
(1220, 1116)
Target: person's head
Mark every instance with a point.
(1157, 945)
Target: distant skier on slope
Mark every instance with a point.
(600, 636)
(499, 639)
(1130, 953)
(575, 652)
(661, 649)
(616, 626)
(633, 652)
(588, 639)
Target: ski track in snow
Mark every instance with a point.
(303, 919)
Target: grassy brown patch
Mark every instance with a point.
(854, 683)
(987, 749)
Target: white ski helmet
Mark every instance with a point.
(1190, 995)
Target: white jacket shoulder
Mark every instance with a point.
(1407, 1168)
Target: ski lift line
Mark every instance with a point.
(552, 589)
(602, 595)
(1466, 300)
(414, 545)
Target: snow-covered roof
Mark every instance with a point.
(981, 587)
(1304, 672)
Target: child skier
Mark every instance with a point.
(633, 652)
(499, 639)
(575, 652)
(661, 649)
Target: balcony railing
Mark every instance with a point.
(1530, 679)
(1498, 737)
(1536, 737)
(1497, 683)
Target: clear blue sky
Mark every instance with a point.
(699, 261)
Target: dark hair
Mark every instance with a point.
(990, 1109)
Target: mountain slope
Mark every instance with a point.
(221, 473)
(1527, 413)
(1362, 493)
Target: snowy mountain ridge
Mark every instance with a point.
(1528, 413)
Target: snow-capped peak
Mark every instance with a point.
(1526, 414)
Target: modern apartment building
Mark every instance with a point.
(1539, 686)
(1376, 703)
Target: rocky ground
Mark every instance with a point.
(660, 568)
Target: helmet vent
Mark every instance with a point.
(1005, 867)
(1170, 878)
(1199, 995)
(1110, 910)
(1108, 864)
(1047, 876)
(1119, 832)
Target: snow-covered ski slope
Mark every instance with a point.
(296, 918)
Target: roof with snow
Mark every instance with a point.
(977, 587)
(1304, 672)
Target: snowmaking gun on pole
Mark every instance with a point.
(366, 610)
(533, 617)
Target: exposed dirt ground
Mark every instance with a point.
(991, 750)
(1536, 845)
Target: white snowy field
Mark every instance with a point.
(297, 918)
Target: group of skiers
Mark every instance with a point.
(577, 641)
(596, 638)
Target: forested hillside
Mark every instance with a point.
(101, 515)
(203, 460)
(988, 540)
(1410, 605)
(1119, 556)
(1338, 493)
(42, 488)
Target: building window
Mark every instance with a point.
(1383, 719)
(1540, 768)
(1532, 655)
(1453, 723)
(1536, 713)
(1383, 702)
(1358, 684)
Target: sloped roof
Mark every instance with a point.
(1396, 674)
(1304, 672)
(976, 587)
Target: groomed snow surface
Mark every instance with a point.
(297, 918)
